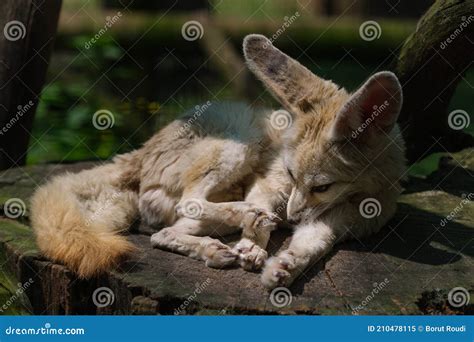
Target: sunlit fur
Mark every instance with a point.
(244, 173)
(77, 218)
(325, 147)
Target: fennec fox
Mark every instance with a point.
(226, 167)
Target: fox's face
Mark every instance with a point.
(335, 141)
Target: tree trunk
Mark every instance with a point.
(28, 30)
(431, 63)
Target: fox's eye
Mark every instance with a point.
(321, 188)
(291, 174)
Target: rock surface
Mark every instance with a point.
(409, 267)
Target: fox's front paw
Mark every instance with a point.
(218, 255)
(279, 271)
(251, 256)
(259, 218)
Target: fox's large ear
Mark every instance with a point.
(294, 86)
(371, 110)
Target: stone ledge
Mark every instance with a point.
(416, 259)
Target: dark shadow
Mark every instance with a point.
(409, 235)
(297, 288)
(412, 234)
(450, 178)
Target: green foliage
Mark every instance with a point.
(84, 80)
(11, 290)
(64, 130)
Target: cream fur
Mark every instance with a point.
(77, 218)
(223, 167)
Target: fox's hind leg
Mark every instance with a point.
(209, 178)
(191, 238)
(214, 169)
(255, 216)
(238, 214)
(256, 224)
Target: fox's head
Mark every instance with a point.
(339, 145)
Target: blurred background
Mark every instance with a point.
(135, 59)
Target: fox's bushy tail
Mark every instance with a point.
(77, 219)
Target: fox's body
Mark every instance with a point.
(216, 150)
(225, 167)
